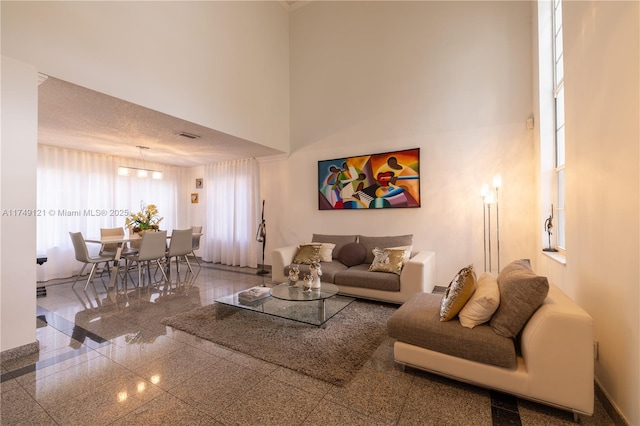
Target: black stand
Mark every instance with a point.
(262, 237)
(263, 271)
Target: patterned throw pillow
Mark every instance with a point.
(407, 252)
(459, 291)
(308, 254)
(387, 260)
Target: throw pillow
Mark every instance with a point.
(521, 294)
(483, 302)
(387, 260)
(352, 254)
(457, 294)
(307, 254)
(338, 240)
(370, 243)
(326, 252)
(407, 252)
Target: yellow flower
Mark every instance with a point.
(146, 218)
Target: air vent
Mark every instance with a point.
(188, 135)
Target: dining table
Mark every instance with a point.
(120, 242)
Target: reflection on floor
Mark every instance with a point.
(105, 358)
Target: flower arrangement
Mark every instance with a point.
(146, 219)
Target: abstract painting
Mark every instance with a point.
(376, 181)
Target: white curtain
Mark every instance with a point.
(232, 213)
(81, 191)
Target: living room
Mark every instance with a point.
(330, 79)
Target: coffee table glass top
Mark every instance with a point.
(315, 307)
(285, 291)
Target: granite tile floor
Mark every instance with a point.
(105, 359)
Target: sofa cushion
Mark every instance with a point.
(521, 293)
(360, 276)
(338, 240)
(307, 254)
(458, 293)
(417, 322)
(483, 302)
(387, 260)
(370, 243)
(352, 254)
(329, 270)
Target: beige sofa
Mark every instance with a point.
(553, 361)
(417, 276)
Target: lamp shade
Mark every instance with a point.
(497, 181)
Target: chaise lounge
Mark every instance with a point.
(549, 360)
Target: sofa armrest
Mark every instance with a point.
(419, 274)
(280, 258)
(557, 347)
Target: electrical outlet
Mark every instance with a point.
(595, 350)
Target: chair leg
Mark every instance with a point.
(186, 259)
(162, 270)
(90, 279)
(79, 274)
(196, 258)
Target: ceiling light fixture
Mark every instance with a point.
(188, 135)
(141, 172)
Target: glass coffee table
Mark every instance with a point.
(313, 307)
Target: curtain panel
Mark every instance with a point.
(233, 212)
(81, 191)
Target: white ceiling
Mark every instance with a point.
(78, 118)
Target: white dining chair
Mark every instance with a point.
(195, 242)
(152, 250)
(82, 255)
(181, 246)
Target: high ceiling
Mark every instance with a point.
(78, 118)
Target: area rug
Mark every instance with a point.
(332, 353)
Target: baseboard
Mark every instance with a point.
(20, 351)
(611, 408)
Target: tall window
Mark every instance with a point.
(558, 93)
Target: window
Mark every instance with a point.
(559, 145)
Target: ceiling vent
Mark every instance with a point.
(188, 135)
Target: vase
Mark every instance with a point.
(316, 272)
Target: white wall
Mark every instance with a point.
(18, 157)
(453, 79)
(602, 106)
(220, 64)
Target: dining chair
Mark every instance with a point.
(107, 249)
(181, 245)
(82, 255)
(153, 248)
(195, 241)
(134, 244)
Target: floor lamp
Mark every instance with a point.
(497, 184)
(488, 200)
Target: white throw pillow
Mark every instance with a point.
(483, 302)
(326, 252)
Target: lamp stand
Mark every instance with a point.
(498, 229)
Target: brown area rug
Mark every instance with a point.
(332, 353)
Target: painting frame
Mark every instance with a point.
(372, 181)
